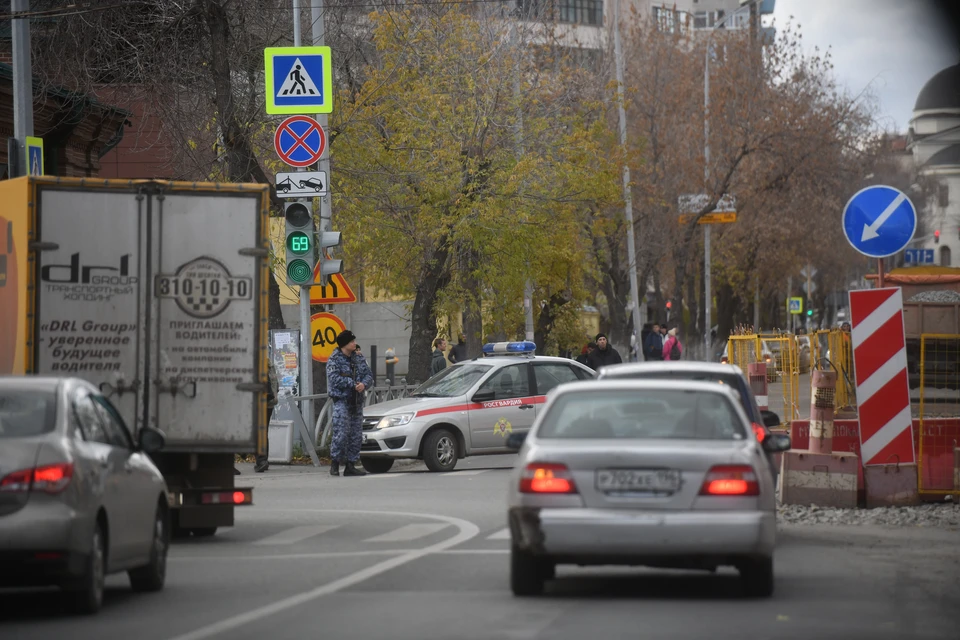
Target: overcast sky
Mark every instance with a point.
(894, 46)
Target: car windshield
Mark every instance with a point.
(26, 413)
(452, 381)
(729, 379)
(642, 414)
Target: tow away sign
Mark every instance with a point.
(303, 184)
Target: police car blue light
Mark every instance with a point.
(524, 347)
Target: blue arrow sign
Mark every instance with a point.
(879, 221)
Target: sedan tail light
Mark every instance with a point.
(759, 431)
(547, 477)
(730, 480)
(51, 478)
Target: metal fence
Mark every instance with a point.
(786, 367)
(938, 456)
(834, 350)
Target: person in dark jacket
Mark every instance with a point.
(586, 351)
(438, 363)
(603, 355)
(348, 376)
(653, 345)
(458, 353)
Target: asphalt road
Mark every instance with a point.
(418, 555)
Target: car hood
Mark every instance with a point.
(407, 405)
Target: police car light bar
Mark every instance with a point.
(509, 348)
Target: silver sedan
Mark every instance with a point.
(79, 498)
(652, 473)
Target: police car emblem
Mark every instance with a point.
(203, 287)
(503, 427)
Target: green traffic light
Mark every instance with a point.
(809, 312)
(298, 243)
(299, 271)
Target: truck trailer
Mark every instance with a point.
(156, 292)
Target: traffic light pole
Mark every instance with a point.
(306, 335)
(22, 85)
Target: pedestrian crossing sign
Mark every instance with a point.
(299, 80)
(34, 156)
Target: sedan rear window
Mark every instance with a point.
(26, 413)
(645, 414)
(729, 379)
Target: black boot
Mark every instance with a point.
(350, 470)
(335, 468)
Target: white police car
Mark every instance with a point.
(467, 409)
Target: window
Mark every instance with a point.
(582, 11)
(26, 413)
(945, 257)
(943, 195)
(88, 419)
(729, 379)
(550, 376)
(452, 381)
(113, 424)
(508, 382)
(665, 19)
(643, 414)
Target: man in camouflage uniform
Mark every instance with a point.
(348, 376)
(262, 464)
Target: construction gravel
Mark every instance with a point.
(936, 296)
(941, 515)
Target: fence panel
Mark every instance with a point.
(743, 350)
(786, 368)
(839, 357)
(938, 456)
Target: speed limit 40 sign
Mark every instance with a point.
(325, 327)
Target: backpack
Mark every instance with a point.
(675, 351)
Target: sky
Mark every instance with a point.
(890, 46)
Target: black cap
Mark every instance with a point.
(346, 337)
(600, 335)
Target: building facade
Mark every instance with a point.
(934, 141)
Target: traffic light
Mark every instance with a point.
(936, 236)
(328, 265)
(809, 312)
(301, 253)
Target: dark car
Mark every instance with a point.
(701, 371)
(312, 183)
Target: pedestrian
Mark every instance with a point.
(348, 376)
(585, 352)
(438, 363)
(459, 351)
(653, 346)
(672, 348)
(604, 354)
(272, 390)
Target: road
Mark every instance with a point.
(418, 555)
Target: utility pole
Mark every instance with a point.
(306, 335)
(519, 150)
(627, 196)
(22, 87)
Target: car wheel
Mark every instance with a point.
(440, 450)
(151, 577)
(377, 465)
(87, 592)
(203, 532)
(528, 572)
(757, 577)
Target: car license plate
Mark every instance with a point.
(363, 439)
(638, 480)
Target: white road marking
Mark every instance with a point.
(454, 552)
(503, 534)
(467, 530)
(468, 472)
(297, 556)
(408, 532)
(296, 534)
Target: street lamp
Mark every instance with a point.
(708, 298)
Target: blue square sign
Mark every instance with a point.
(299, 80)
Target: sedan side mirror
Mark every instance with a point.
(770, 419)
(515, 440)
(151, 440)
(776, 442)
(484, 396)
